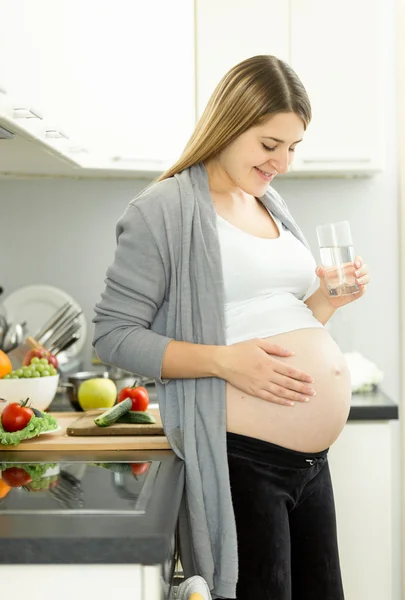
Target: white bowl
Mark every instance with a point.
(40, 390)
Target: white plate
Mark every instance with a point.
(36, 304)
(50, 431)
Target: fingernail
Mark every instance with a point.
(309, 379)
(357, 273)
(306, 399)
(357, 264)
(291, 403)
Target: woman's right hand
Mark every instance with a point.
(251, 367)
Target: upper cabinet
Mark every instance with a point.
(116, 77)
(229, 31)
(121, 83)
(337, 50)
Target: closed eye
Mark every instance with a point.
(272, 149)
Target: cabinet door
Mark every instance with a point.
(337, 51)
(360, 463)
(117, 76)
(230, 31)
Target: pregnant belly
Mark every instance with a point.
(308, 426)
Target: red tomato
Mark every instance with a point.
(16, 416)
(15, 477)
(139, 468)
(138, 395)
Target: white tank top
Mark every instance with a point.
(266, 282)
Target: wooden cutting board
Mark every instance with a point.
(85, 426)
(60, 441)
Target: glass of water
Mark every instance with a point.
(337, 258)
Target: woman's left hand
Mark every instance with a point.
(362, 278)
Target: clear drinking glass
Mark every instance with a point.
(337, 258)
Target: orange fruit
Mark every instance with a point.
(4, 489)
(5, 364)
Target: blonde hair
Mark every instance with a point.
(246, 96)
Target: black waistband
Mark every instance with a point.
(262, 451)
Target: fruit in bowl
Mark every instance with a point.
(38, 367)
(40, 353)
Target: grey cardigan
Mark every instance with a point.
(166, 284)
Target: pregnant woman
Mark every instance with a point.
(214, 293)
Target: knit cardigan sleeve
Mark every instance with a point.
(136, 284)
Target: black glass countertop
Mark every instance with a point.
(78, 487)
(107, 507)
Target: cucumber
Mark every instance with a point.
(113, 414)
(137, 417)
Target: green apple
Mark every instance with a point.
(97, 393)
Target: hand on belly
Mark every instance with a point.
(309, 426)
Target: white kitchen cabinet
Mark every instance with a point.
(361, 464)
(118, 77)
(337, 49)
(83, 581)
(230, 31)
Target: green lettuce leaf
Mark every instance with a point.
(36, 426)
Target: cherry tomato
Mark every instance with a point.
(138, 395)
(16, 416)
(139, 468)
(15, 477)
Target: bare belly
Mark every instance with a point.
(308, 426)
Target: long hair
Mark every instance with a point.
(246, 96)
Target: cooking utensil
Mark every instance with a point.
(62, 339)
(65, 346)
(53, 320)
(62, 328)
(3, 330)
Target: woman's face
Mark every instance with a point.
(258, 155)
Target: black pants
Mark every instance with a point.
(285, 520)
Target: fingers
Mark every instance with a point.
(302, 391)
(274, 349)
(291, 372)
(270, 397)
(362, 275)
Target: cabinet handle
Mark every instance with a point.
(134, 159)
(55, 134)
(26, 113)
(335, 160)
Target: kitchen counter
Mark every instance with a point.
(79, 536)
(60, 441)
(370, 406)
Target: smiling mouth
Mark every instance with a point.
(265, 173)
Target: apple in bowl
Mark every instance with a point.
(40, 353)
